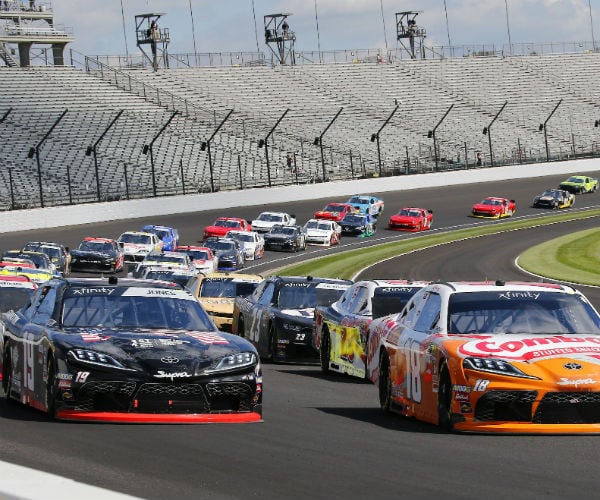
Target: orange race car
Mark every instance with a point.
(491, 357)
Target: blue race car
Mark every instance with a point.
(367, 204)
(361, 225)
(168, 235)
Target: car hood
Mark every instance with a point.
(404, 218)
(304, 315)
(486, 208)
(159, 353)
(329, 215)
(217, 304)
(278, 237)
(318, 232)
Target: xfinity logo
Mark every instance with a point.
(169, 360)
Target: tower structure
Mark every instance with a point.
(410, 35)
(280, 38)
(25, 24)
(149, 33)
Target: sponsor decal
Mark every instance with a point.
(466, 407)
(461, 388)
(64, 376)
(93, 337)
(172, 376)
(532, 348)
(208, 337)
(576, 382)
(481, 385)
(67, 395)
(64, 384)
(462, 396)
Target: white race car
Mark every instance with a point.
(251, 242)
(322, 232)
(266, 220)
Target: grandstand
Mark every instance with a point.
(90, 130)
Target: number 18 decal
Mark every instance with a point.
(413, 370)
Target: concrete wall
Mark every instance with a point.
(22, 220)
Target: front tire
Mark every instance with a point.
(385, 382)
(325, 351)
(445, 399)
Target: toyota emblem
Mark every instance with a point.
(572, 366)
(169, 360)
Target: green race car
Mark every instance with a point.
(579, 184)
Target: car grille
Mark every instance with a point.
(511, 406)
(568, 408)
(153, 397)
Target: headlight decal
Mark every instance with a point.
(494, 365)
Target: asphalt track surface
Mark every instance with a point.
(324, 436)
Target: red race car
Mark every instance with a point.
(493, 207)
(411, 219)
(335, 211)
(225, 224)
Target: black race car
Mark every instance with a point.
(124, 350)
(278, 317)
(228, 251)
(290, 238)
(58, 254)
(97, 255)
(554, 198)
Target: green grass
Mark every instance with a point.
(348, 263)
(574, 258)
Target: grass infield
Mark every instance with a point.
(348, 263)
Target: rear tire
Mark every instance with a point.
(445, 399)
(325, 351)
(385, 382)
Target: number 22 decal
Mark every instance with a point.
(413, 370)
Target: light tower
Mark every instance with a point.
(280, 38)
(148, 32)
(407, 28)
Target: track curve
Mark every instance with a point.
(322, 436)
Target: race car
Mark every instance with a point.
(15, 292)
(228, 252)
(251, 242)
(266, 220)
(361, 225)
(503, 357)
(57, 252)
(167, 260)
(217, 291)
(168, 235)
(285, 238)
(98, 255)
(122, 350)
(222, 225)
(367, 204)
(176, 275)
(202, 257)
(340, 331)
(277, 318)
(554, 198)
(411, 219)
(36, 275)
(322, 232)
(40, 259)
(579, 184)
(493, 207)
(334, 211)
(137, 244)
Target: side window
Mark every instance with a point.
(413, 309)
(258, 291)
(46, 307)
(267, 296)
(429, 315)
(360, 301)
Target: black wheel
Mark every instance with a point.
(272, 344)
(51, 389)
(325, 351)
(7, 376)
(445, 399)
(240, 327)
(385, 382)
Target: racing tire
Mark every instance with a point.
(385, 382)
(272, 344)
(445, 399)
(51, 389)
(325, 351)
(7, 376)
(240, 327)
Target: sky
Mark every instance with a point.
(102, 27)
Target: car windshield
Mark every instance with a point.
(222, 246)
(96, 246)
(527, 312)
(301, 295)
(334, 208)
(12, 298)
(227, 223)
(285, 230)
(359, 200)
(578, 180)
(407, 212)
(51, 251)
(167, 275)
(146, 308)
(228, 287)
(491, 201)
(137, 239)
(354, 218)
(270, 217)
(159, 258)
(243, 237)
(197, 254)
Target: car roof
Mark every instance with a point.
(305, 279)
(483, 286)
(235, 276)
